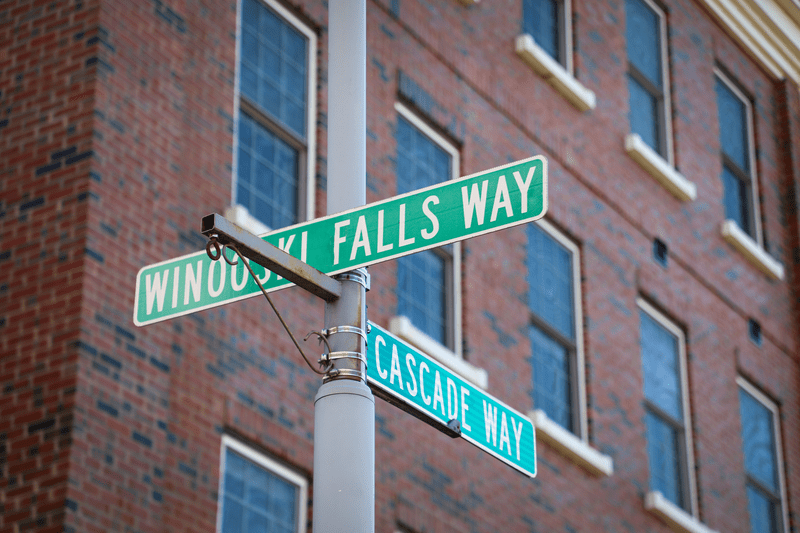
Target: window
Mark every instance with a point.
(647, 75)
(762, 460)
(666, 408)
(546, 22)
(737, 152)
(275, 132)
(257, 494)
(554, 330)
(427, 282)
(545, 44)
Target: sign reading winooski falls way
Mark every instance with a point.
(447, 212)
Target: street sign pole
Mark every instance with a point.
(344, 408)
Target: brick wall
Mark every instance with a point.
(116, 138)
(47, 79)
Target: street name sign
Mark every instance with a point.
(418, 384)
(447, 212)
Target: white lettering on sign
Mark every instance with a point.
(366, 235)
(381, 246)
(362, 239)
(286, 244)
(211, 290)
(237, 286)
(501, 199)
(523, 187)
(504, 433)
(423, 387)
(412, 388)
(175, 285)
(475, 202)
(380, 342)
(338, 239)
(193, 282)
(517, 433)
(196, 288)
(396, 368)
(452, 399)
(464, 408)
(490, 423)
(437, 391)
(156, 290)
(423, 367)
(403, 240)
(474, 199)
(427, 235)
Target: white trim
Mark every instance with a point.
(423, 126)
(754, 253)
(311, 105)
(554, 73)
(268, 464)
(403, 328)
(239, 215)
(666, 85)
(674, 516)
(665, 322)
(766, 30)
(567, 40)
(574, 448)
(236, 100)
(577, 306)
(751, 153)
(776, 427)
(672, 180)
(665, 81)
(455, 169)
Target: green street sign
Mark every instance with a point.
(411, 380)
(447, 212)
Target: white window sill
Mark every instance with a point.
(656, 166)
(674, 516)
(751, 250)
(469, 2)
(555, 74)
(403, 328)
(569, 445)
(239, 215)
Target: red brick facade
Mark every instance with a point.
(116, 137)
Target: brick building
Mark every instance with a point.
(649, 324)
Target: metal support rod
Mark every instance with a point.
(344, 408)
(271, 257)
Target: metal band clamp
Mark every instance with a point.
(345, 329)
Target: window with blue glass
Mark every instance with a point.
(735, 147)
(255, 498)
(552, 329)
(662, 350)
(545, 21)
(425, 279)
(273, 122)
(761, 460)
(645, 35)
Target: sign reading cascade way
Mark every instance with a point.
(434, 216)
(418, 384)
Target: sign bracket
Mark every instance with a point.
(271, 257)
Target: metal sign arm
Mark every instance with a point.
(271, 257)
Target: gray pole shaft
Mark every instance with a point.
(347, 104)
(344, 458)
(344, 409)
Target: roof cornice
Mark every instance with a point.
(768, 29)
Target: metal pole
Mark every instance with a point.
(344, 408)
